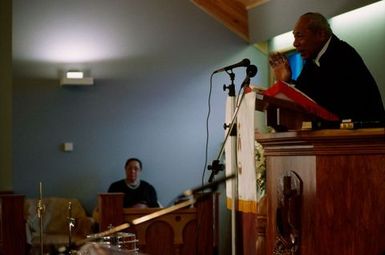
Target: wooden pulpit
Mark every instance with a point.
(342, 207)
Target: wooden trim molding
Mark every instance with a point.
(232, 13)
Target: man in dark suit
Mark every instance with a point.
(334, 74)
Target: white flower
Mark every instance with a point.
(260, 166)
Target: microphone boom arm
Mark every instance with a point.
(216, 167)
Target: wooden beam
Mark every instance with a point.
(232, 13)
(249, 4)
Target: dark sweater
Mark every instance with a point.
(144, 194)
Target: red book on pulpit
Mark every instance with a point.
(286, 92)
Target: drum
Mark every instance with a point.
(94, 248)
(119, 242)
(126, 241)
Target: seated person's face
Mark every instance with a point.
(132, 171)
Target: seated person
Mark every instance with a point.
(137, 193)
(334, 74)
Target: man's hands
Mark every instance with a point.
(280, 66)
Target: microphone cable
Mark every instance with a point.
(207, 127)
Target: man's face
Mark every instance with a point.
(307, 42)
(132, 171)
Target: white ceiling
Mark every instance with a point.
(49, 35)
(53, 35)
(278, 16)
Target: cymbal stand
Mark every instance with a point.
(71, 225)
(40, 208)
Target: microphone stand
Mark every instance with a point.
(40, 211)
(215, 167)
(251, 71)
(231, 93)
(231, 87)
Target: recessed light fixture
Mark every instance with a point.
(74, 75)
(76, 78)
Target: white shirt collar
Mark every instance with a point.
(322, 51)
(133, 185)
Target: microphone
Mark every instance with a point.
(245, 62)
(251, 71)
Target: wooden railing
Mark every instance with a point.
(192, 230)
(12, 225)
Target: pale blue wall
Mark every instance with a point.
(154, 109)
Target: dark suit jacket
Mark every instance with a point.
(342, 84)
